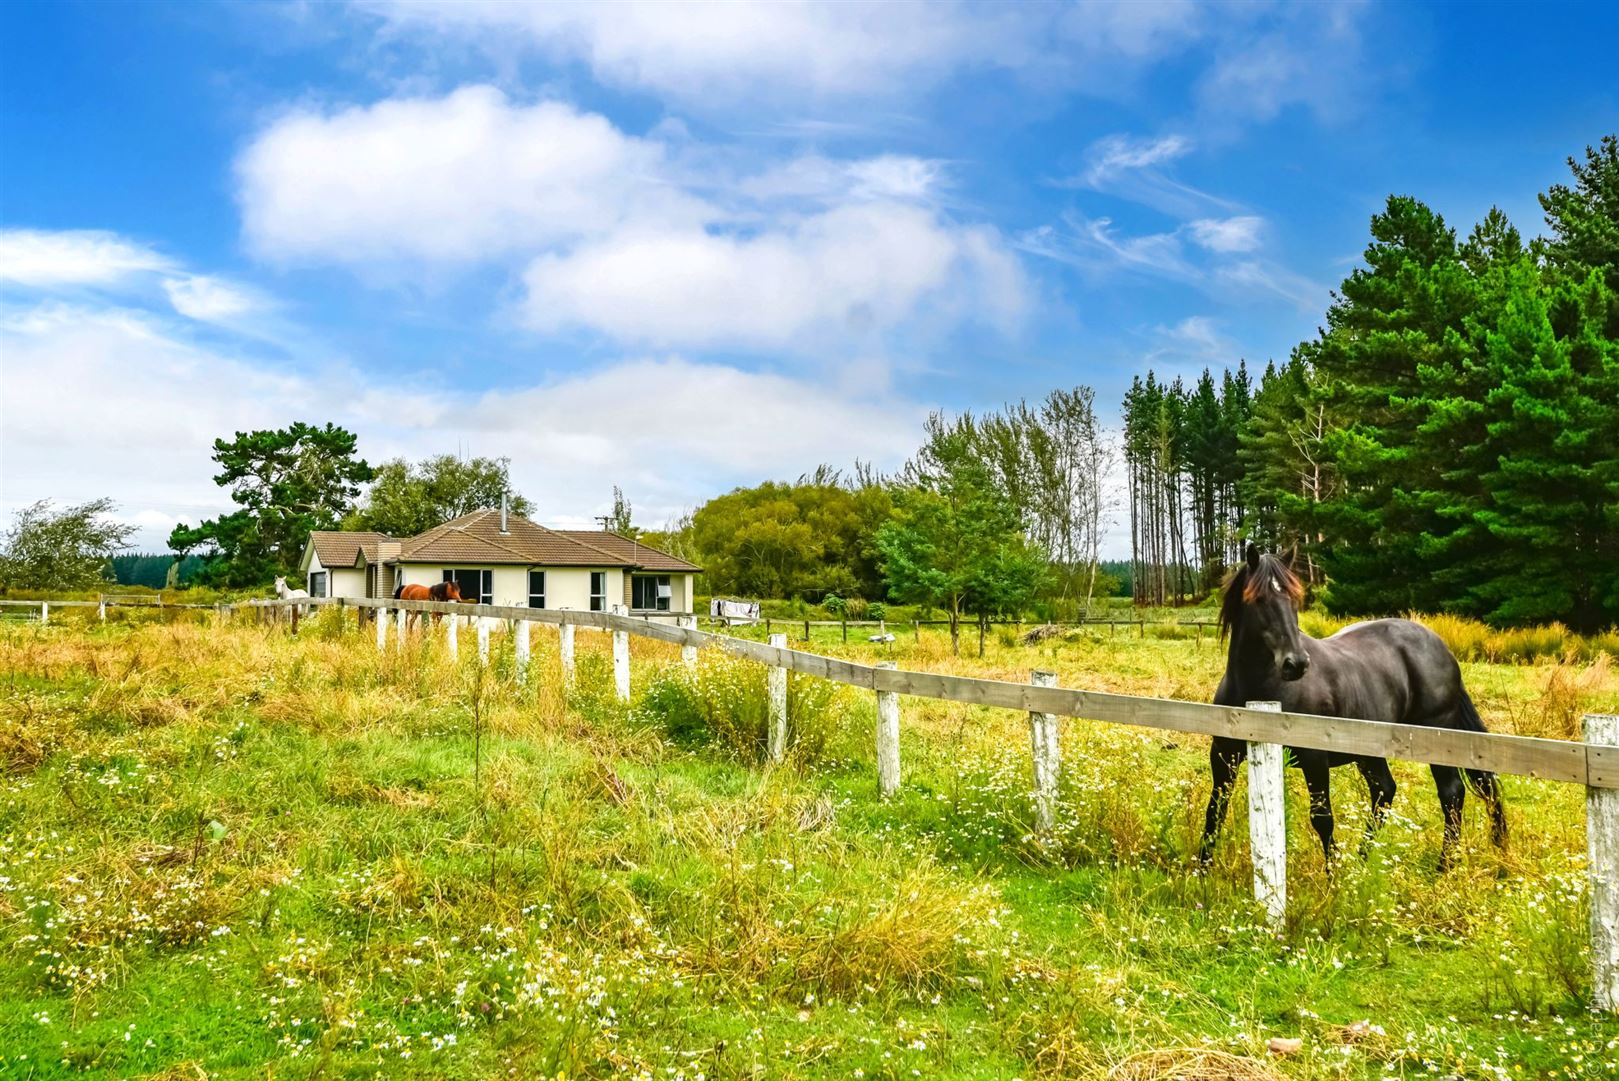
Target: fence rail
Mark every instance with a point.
(1593, 763)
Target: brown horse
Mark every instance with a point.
(439, 591)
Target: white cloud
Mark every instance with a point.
(1112, 155)
(43, 259)
(1236, 234)
(853, 271)
(729, 54)
(621, 235)
(640, 423)
(210, 300)
(888, 176)
(462, 178)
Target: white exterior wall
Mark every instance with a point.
(346, 583)
(565, 587)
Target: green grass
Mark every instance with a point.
(225, 853)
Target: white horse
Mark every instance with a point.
(287, 594)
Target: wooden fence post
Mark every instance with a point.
(776, 682)
(451, 623)
(101, 611)
(44, 612)
(1602, 864)
(688, 652)
(402, 624)
(1043, 736)
(294, 617)
(621, 658)
(1267, 823)
(483, 641)
(565, 651)
(887, 739)
(522, 651)
(382, 627)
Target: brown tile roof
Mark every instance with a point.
(635, 552)
(476, 538)
(340, 549)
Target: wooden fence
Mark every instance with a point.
(1593, 763)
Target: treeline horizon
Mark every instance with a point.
(1445, 443)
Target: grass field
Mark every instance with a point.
(226, 853)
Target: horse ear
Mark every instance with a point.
(1252, 555)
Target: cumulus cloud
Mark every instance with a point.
(462, 178)
(43, 259)
(620, 237)
(570, 438)
(856, 270)
(732, 52)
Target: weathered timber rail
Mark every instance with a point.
(1593, 763)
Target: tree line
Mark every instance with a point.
(1444, 443)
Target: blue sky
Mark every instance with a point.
(683, 247)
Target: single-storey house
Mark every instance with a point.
(503, 559)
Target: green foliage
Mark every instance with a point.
(725, 704)
(64, 550)
(955, 542)
(152, 569)
(791, 540)
(286, 482)
(406, 499)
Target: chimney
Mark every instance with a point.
(503, 529)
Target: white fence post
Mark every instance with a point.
(1043, 737)
(776, 681)
(565, 650)
(101, 611)
(403, 624)
(452, 623)
(382, 627)
(688, 652)
(621, 658)
(521, 634)
(1267, 823)
(1602, 864)
(483, 641)
(44, 612)
(887, 739)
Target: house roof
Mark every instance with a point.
(339, 549)
(636, 552)
(476, 538)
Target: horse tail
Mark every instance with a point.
(1482, 781)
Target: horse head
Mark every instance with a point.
(280, 586)
(452, 590)
(1260, 610)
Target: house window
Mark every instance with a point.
(536, 589)
(317, 583)
(476, 585)
(650, 592)
(598, 591)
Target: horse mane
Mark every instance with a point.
(1243, 586)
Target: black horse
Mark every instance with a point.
(1383, 670)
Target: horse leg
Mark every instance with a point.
(1225, 755)
(1380, 783)
(1452, 795)
(1489, 790)
(1318, 778)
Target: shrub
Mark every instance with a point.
(834, 604)
(726, 703)
(876, 610)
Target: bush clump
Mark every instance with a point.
(725, 703)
